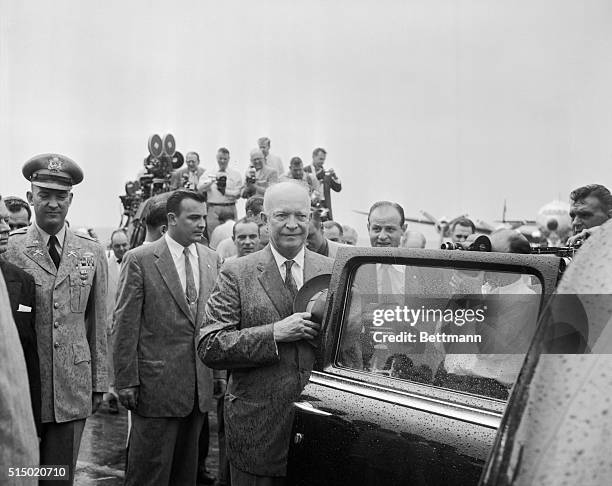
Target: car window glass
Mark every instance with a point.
(466, 330)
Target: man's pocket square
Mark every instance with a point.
(24, 308)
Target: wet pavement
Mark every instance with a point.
(102, 455)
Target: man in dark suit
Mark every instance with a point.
(18, 443)
(251, 330)
(163, 287)
(22, 296)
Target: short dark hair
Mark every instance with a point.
(14, 204)
(156, 214)
(463, 222)
(244, 220)
(316, 151)
(223, 150)
(381, 204)
(173, 205)
(329, 223)
(254, 204)
(225, 213)
(295, 161)
(119, 230)
(601, 193)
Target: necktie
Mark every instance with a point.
(53, 253)
(289, 281)
(190, 287)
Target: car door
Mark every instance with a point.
(380, 409)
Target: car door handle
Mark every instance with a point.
(310, 408)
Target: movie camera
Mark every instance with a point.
(154, 179)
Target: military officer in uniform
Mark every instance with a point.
(70, 273)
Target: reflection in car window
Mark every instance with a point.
(464, 330)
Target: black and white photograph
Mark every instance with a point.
(290, 243)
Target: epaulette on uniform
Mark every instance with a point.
(19, 231)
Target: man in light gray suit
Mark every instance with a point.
(163, 288)
(252, 331)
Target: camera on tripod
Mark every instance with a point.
(163, 158)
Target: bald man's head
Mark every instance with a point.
(509, 241)
(287, 212)
(413, 239)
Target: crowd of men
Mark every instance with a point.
(199, 318)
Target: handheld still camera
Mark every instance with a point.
(475, 242)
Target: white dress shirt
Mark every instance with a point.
(176, 250)
(397, 274)
(297, 270)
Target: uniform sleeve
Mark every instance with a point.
(128, 312)
(223, 344)
(96, 321)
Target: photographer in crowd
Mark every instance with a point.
(258, 177)
(222, 188)
(327, 178)
(296, 173)
(187, 177)
(272, 161)
(461, 228)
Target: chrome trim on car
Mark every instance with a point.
(436, 406)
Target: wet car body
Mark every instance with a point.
(354, 426)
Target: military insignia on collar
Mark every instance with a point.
(55, 164)
(37, 252)
(73, 253)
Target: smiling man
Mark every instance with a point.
(386, 224)
(70, 272)
(163, 287)
(251, 329)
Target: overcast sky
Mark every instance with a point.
(449, 106)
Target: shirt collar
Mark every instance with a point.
(61, 235)
(280, 259)
(176, 249)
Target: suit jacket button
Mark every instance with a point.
(56, 345)
(56, 305)
(56, 324)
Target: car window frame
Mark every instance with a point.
(544, 267)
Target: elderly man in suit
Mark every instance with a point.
(163, 287)
(71, 277)
(252, 331)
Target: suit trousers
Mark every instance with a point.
(241, 478)
(60, 446)
(164, 451)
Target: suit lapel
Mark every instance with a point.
(273, 284)
(312, 266)
(36, 251)
(207, 273)
(167, 270)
